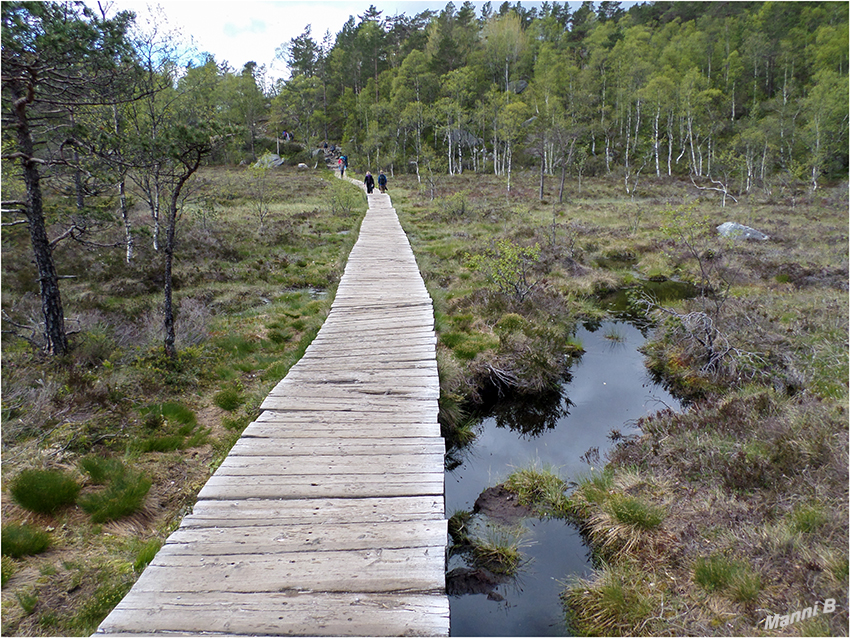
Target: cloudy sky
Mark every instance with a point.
(252, 30)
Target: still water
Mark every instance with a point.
(609, 389)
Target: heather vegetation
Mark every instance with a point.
(550, 166)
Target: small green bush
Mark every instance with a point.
(23, 540)
(44, 491)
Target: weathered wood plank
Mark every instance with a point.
(224, 513)
(282, 446)
(336, 486)
(368, 570)
(283, 614)
(322, 466)
(375, 429)
(293, 538)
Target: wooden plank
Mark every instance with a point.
(322, 446)
(223, 513)
(374, 430)
(283, 614)
(396, 404)
(312, 487)
(368, 570)
(292, 538)
(322, 466)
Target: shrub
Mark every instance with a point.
(508, 267)
(44, 491)
(23, 540)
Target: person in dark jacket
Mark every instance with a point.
(370, 182)
(382, 182)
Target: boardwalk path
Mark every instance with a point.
(327, 518)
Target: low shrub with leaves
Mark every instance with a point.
(509, 267)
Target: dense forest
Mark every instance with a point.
(735, 93)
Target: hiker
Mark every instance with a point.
(370, 182)
(341, 165)
(382, 182)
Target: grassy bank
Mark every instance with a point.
(251, 291)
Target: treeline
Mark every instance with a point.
(738, 92)
(744, 94)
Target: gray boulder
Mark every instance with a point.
(739, 231)
(269, 160)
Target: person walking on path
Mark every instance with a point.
(370, 182)
(341, 165)
(382, 182)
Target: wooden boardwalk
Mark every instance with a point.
(327, 518)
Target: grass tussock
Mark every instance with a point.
(23, 540)
(44, 491)
(541, 489)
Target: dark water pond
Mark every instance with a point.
(609, 389)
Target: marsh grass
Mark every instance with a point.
(619, 600)
(541, 489)
(124, 489)
(23, 540)
(229, 398)
(497, 548)
(44, 491)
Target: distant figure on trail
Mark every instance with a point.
(382, 182)
(341, 165)
(370, 182)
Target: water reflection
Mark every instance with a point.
(609, 390)
(530, 418)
